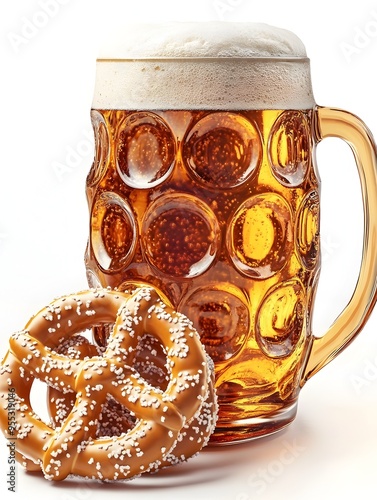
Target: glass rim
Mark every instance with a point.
(275, 59)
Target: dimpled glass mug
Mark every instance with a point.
(204, 185)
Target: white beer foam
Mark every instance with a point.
(206, 39)
(214, 65)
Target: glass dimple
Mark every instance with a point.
(102, 149)
(221, 316)
(289, 148)
(260, 236)
(222, 150)
(145, 150)
(180, 235)
(280, 319)
(113, 234)
(307, 230)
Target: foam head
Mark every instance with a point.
(215, 65)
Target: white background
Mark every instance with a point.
(46, 88)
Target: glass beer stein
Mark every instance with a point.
(204, 185)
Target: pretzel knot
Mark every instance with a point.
(165, 423)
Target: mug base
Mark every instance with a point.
(240, 431)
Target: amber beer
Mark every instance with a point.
(204, 186)
(205, 205)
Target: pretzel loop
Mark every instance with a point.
(161, 416)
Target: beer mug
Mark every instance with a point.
(204, 185)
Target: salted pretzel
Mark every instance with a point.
(157, 421)
(150, 362)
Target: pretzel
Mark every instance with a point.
(163, 419)
(150, 361)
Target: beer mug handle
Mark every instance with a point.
(330, 122)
